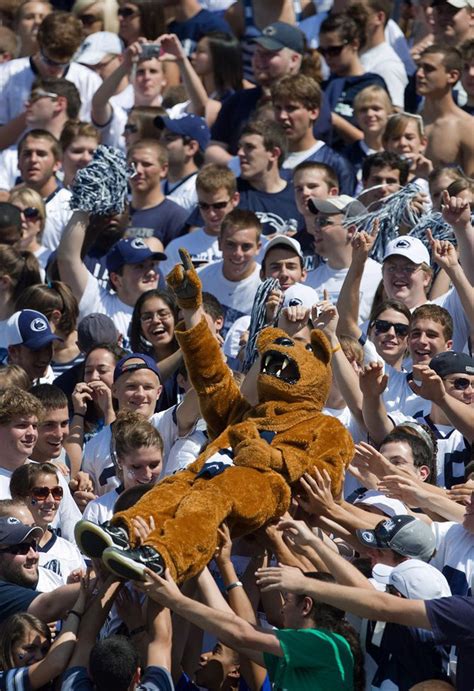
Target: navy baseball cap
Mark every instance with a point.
(191, 126)
(96, 329)
(14, 532)
(281, 35)
(133, 362)
(130, 251)
(451, 362)
(29, 328)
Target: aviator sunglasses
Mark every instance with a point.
(42, 493)
(382, 326)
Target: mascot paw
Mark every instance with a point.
(185, 283)
(257, 453)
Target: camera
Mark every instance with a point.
(150, 50)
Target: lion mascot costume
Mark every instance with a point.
(255, 456)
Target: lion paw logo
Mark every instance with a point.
(138, 244)
(39, 325)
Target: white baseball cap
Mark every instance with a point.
(342, 204)
(416, 580)
(279, 240)
(460, 4)
(409, 247)
(390, 507)
(96, 46)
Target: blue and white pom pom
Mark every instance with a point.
(258, 318)
(102, 186)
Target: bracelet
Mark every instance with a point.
(338, 347)
(138, 630)
(73, 611)
(237, 584)
(78, 415)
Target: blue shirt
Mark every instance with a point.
(166, 219)
(193, 29)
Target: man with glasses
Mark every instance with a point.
(59, 37)
(185, 140)
(19, 575)
(216, 189)
(333, 231)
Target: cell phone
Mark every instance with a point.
(150, 50)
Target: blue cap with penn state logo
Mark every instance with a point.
(281, 35)
(189, 125)
(29, 328)
(130, 251)
(14, 532)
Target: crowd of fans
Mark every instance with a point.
(316, 160)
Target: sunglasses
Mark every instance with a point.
(413, 116)
(23, 548)
(30, 213)
(127, 12)
(332, 51)
(89, 19)
(39, 93)
(132, 129)
(461, 383)
(53, 63)
(42, 493)
(382, 326)
(217, 206)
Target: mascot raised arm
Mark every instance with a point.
(255, 456)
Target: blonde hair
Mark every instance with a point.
(369, 95)
(109, 10)
(29, 197)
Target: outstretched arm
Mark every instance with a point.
(71, 268)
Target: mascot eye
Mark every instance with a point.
(284, 342)
(308, 347)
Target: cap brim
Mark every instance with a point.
(324, 206)
(41, 341)
(92, 58)
(268, 43)
(368, 539)
(36, 531)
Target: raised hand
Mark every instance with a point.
(283, 578)
(184, 281)
(372, 380)
(444, 253)
(430, 386)
(362, 243)
(455, 210)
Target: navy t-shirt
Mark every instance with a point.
(277, 211)
(166, 219)
(239, 108)
(345, 172)
(452, 622)
(193, 29)
(14, 598)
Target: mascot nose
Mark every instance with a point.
(284, 341)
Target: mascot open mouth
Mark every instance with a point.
(279, 365)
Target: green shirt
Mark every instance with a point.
(313, 660)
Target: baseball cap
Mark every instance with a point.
(460, 4)
(281, 35)
(96, 329)
(133, 362)
(96, 46)
(411, 248)
(388, 506)
(416, 580)
(190, 125)
(450, 362)
(29, 328)
(279, 240)
(130, 251)
(342, 204)
(405, 535)
(14, 532)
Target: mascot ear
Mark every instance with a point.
(321, 346)
(267, 336)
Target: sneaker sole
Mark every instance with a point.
(124, 567)
(91, 539)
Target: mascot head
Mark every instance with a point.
(292, 371)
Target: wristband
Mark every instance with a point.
(137, 631)
(237, 584)
(78, 415)
(338, 347)
(73, 611)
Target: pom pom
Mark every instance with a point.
(102, 186)
(257, 319)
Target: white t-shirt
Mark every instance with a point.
(399, 397)
(202, 247)
(68, 514)
(101, 509)
(16, 79)
(236, 297)
(61, 557)
(323, 277)
(58, 213)
(453, 454)
(454, 555)
(97, 461)
(186, 449)
(384, 61)
(182, 193)
(8, 168)
(111, 134)
(98, 299)
(461, 327)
